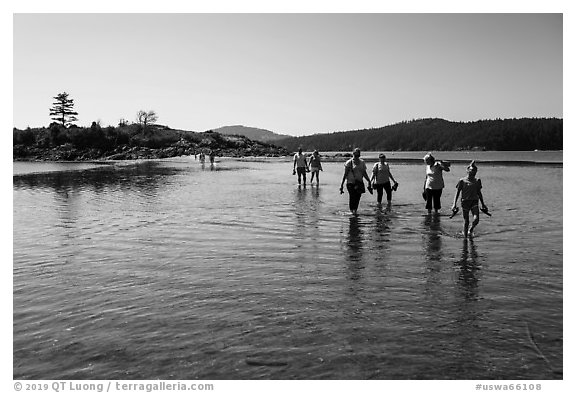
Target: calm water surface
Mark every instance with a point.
(166, 269)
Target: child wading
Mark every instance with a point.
(470, 188)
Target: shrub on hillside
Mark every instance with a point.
(23, 137)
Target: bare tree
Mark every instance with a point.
(145, 118)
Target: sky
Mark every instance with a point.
(295, 74)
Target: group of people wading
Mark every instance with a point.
(202, 155)
(355, 171)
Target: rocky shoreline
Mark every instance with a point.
(68, 152)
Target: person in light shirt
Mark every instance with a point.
(354, 175)
(381, 176)
(300, 166)
(434, 181)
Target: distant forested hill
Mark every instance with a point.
(438, 134)
(255, 134)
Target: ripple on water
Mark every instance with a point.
(173, 272)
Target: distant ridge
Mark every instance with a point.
(524, 134)
(255, 134)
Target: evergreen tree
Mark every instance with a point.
(62, 110)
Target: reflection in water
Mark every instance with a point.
(307, 209)
(301, 211)
(141, 181)
(66, 195)
(467, 278)
(376, 242)
(314, 223)
(433, 252)
(67, 201)
(382, 229)
(146, 177)
(315, 194)
(354, 249)
(468, 311)
(433, 240)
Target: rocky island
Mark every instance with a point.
(130, 142)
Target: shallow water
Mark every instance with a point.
(165, 269)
